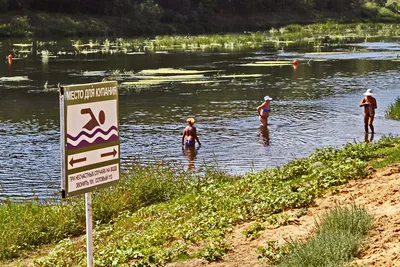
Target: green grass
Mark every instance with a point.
(336, 239)
(393, 157)
(158, 213)
(387, 152)
(26, 225)
(163, 232)
(393, 111)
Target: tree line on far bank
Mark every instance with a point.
(188, 8)
(207, 16)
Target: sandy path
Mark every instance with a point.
(379, 194)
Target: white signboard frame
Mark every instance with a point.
(89, 137)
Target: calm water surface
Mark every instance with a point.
(313, 106)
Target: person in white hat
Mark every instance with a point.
(369, 104)
(263, 111)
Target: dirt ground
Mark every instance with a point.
(379, 194)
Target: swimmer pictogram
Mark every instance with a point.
(93, 122)
(94, 126)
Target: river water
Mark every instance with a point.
(314, 105)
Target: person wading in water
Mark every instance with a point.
(189, 134)
(369, 104)
(263, 111)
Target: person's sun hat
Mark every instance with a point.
(267, 98)
(368, 92)
(191, 120)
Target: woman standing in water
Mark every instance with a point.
(263, 111)
(189, 138)
(369, 104)
(189, 134)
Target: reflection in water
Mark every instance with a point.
(190, 153)
(263, 133)
(370, 139)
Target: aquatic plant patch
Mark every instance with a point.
(143, 83)
(171, 77)
(174, 71)
(266, 64)
(14, 79)
(22, 45)
(204, 81)
(239, 76)
(325, 53)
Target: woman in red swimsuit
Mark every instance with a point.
(369, 104)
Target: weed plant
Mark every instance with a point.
(254, 231)
(393, 111)
(336, 239)
(203, 212)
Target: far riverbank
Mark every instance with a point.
(50, 25)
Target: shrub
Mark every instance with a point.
(338, 237)
(393, 111)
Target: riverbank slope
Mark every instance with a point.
(379, 193)
(140, 222)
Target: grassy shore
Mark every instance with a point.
(393, 111)
(156, 213)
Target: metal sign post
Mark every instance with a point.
(89, 143)
(89, 229)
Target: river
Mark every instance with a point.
(314, 105)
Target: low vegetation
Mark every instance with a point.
(336, 239)
(157, 213)
(26, 225)
(317, 34)
(393, 111)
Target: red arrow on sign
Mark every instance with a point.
(72, 161)
(112, 153)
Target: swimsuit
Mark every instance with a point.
(190, 142)
(264, 120)
(370, 111)
(266, 110)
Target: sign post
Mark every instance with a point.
(89, 143)
(89, 229)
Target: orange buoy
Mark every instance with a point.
(9, 56)
(295, 62)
